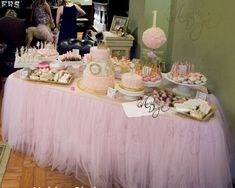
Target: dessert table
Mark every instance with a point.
(92, 138)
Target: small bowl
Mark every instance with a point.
(43, 65)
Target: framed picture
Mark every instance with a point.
(119, 22)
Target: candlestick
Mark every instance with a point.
(154, 18)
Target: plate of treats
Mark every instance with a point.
(153, 83)
(47, 54)
(165, 97)
(70, 58)
(151, 76)
(121, 66)
(46, 75)
(183, 74)
(195, 108)
(191, 80)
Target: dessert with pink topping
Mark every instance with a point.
(151, 75)
(43, 65)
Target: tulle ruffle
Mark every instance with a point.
(92, 137)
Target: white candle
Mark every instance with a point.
(154, 18)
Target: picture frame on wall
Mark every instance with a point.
(119, 22)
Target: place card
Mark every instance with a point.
(111, 92)
(24, 73)
(146, 70)
(201, 95)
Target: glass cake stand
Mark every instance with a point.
(187, 90)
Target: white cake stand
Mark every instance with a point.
(184, 89)
(130, 95)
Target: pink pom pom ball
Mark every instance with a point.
(154, 37)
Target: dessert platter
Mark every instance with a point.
(191, 80)
(151, 75)
(152, 79)
(195, 108)
(182, 75)
(71, 58)
(47, 54)
(153, 83)
(165, 97)
(121, 66)
(26, 57)
(43, 73)
(29, 57)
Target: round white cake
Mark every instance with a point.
(97, 83)
(132, 81)
(98, 75)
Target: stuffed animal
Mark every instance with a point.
(41, 32)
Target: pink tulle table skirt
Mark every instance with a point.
(87, 137)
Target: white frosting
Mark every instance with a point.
(98, 83)
(98, 74)
(132, 81)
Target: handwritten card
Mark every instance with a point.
(201, 95)
(146, 70)
(111, 92)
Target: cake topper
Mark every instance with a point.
(132, 67)
(121, 32)
(100, 40)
